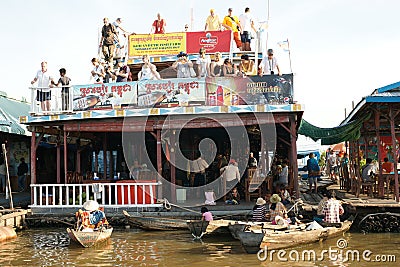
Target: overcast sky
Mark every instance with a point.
(341, 50)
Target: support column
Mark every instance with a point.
(33, 161)
(105, 156)
(58, 162)
(172, 167)
(293, 161)
(381, 189)
(65, 157)
(159, 156)
(78, 161)
(394, 153)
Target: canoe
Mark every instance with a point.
(90, 239)
(253, 241)
(241, 226)
(384, 222)
(199, 228)
(155, 223)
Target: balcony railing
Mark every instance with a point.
(111, 195)
(59, 101)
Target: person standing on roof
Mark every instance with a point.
(269, 65)
(45, 82)
(247, 23)
(158, 25)
(108, 33)
(232, 23)
(213, 23)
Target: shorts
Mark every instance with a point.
(43, 96)
(245, 37)
(312, 180)
(237, 40)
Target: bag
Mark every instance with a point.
(192, 72)
(315, 173)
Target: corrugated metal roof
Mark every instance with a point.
(10, 110)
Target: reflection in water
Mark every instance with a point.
(51, 247)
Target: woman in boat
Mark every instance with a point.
(206, 215)
(259, 211)
(276, 207)
(92, 218)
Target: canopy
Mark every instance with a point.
(329, 136)
(10, 110)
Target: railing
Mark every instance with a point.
(59, 102)
(134, 194)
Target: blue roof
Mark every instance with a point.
(10, 110)
(388, 87)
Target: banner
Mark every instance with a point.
(211, 41)
(173, 43)
(157, 44)
(93, 96)
(172, 92)
(250, 90)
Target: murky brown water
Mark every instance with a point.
(50, 247)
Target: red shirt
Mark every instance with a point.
(159, 26)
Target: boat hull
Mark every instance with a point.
(156, 223)
(89, 239)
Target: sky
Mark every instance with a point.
(340, 50)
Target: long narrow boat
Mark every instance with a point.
(253, 241)
(241, 226)
(90, 239)
(199, 228)
(156, 223)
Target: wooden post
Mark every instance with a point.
(381, 189)
(172, 166)
(293, 160)
(159, 156)
(58, 162)
(65, 157)
(394, 152)
(105, 156)
(33, 159)
(78, 161)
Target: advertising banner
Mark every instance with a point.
(157, 44)
(93, 96)
(211, 41)
(172, 92)
(250, 90)
(173, 43)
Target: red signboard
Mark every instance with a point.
(211, 41)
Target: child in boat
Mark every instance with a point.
(259, 211)
(233, 197)
(284, 194)
(206, 215)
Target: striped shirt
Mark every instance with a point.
(259, 214)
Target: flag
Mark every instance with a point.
(284, 45)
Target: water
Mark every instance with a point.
(50, 247)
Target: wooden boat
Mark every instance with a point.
(383, 222)
(253, 241)
(155, 223)
(241, 226)
(199, 228)
(90, 239)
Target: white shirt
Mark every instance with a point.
(245, 21)
(43, 79)
(230, 173)
(203, 62)
(283, 176)
(98, 69)
(267, 65)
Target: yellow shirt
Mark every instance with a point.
(233, 24)
(213, 23)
